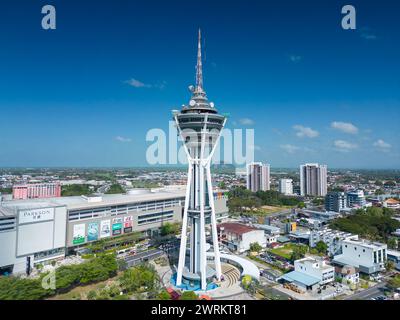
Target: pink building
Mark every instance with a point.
(37, 190)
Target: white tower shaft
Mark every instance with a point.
(199, 127)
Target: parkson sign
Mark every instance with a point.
(36, 215)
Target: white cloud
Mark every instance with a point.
(345, 146)
(305, 132)
(367, 34)
(345, 127)
(123, 139)
(294, 58)
(246, 121)
(382, 145)
(289, 148)
(139, 84)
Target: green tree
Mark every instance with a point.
(389, 265)
(298, 252)
(246, 281)
(394, 283)
(318, 201)
(139, 279)
(371, 223)
(91, 295)
(15, 288)
(115, 189)
(5, 190)
(75, 190)
(170, 228)
(392, 243)
(321, 247)
(378, 183)
(255, 247)
(164, 295)
(301, 205)
(188, 295)
(222, 185)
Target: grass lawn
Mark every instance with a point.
(267, 264)
(266, 210)
(285, 251)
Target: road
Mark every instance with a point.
(280, 213)
(143, 256)
(369, 293)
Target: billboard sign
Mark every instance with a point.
(79, 234)
(128, 224)
(128, 229)
(93, 231)
(105, 228)
(35, 215)
(117, 220)
(116, 229)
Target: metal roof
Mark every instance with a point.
(78, 202)
(300, 278)
(342, 260)
(283, 239)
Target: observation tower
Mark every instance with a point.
(199, 125)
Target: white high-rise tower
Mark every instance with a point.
(313, 179)
(258, 176)
(199, 125)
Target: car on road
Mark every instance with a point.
(379, 298)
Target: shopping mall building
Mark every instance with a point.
(35, 231)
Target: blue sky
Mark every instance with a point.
(312, 91)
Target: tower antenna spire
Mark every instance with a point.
(199, 67)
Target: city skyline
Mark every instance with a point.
(79, 96)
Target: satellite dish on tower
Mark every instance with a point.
(192, 103)
(212, 104)
(191, 88)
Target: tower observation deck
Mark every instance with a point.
(199, 125)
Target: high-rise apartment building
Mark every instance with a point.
(286, 186)
(356, 199)
(335, 201)
(258, 176)
(313, 179)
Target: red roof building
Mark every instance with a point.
(239, 236)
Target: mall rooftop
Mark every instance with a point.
(10, 207)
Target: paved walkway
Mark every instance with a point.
(233, 292)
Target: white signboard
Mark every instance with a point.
(79, 234)
(105, 226)
(36, 215)
(117, 220)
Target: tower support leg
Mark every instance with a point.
(217, 258)
(203, 257)
(182, 251)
